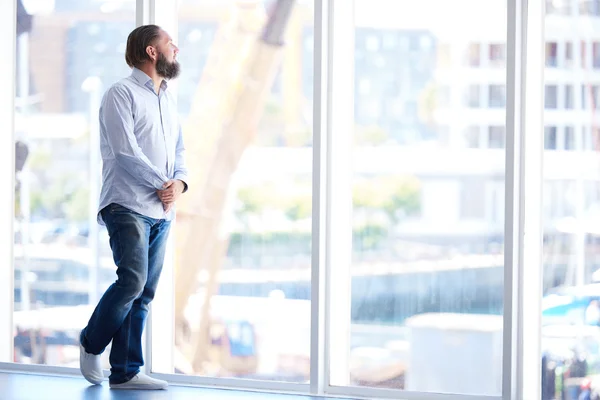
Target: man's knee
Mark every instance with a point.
(132, 286)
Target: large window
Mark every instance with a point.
(571, 313)
(68, 54)
(426, 251)
(243, 235)
(356, 214)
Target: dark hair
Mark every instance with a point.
(140, 38)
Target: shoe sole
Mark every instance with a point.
(141, 387)
(92, 381)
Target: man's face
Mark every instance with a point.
(166, 63)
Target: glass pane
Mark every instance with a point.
(571, 291)
(473, 96)
(497, 54)
(590, 7)
(594, 93)
(472, 136)
(570, 139)
(243, 254)
(569, 54)
(550, 138)
(496, 137)
(596, 55)
(569, 97)
(474, 55)
(551, 54)
(69, 53)
(497, 97)
(428, 214)
(551, 96)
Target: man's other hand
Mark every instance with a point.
(170, 193)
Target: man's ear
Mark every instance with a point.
(151, 51)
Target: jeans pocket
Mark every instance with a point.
(119, 209)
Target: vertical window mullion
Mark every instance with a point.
(523, 261)
(7, 167)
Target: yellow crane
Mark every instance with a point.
(223, 122)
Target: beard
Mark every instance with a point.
(168, 70)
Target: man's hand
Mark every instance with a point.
(170, 193)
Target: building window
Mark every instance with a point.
(550, 138)
(473, 96)
(497, 54)
(497, 96)
(496, 137)
(595, 138)
(472, 137)
(569, 101)
(474, 55)
(551, 101)
(569, 138)
(551, 54)
(590, 138)
(594, 91)
(586, 140)
(568, 54)
(596, 55)
(589, 7)
(583, 58)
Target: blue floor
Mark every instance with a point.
(18, 386)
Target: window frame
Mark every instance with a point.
(8, 28)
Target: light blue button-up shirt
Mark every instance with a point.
(141, 145)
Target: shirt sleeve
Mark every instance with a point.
(181, 171)
(116, 117)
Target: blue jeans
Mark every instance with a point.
(138, 245)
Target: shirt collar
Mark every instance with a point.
(144, 80)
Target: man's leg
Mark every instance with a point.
(129, 336)
(129, 240)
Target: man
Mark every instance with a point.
(143, 175)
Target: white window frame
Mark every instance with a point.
(522, 313)
(523, 223)
(8, 28)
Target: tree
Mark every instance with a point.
(370, 135)
(385, 201)
(298, 207)
(77, 206)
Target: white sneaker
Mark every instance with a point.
(90, 366)
(141, 382)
